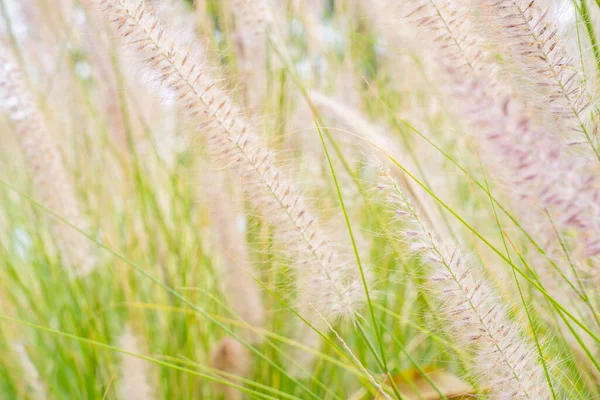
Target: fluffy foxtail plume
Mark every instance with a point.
(371, 134)
(34, 383)
(304, 334)
(538, 168)
(252, 19)
(355, 123)
(45, 161)
(563, 192)
(241, 290)
(451, 24)
(99, 43)
(336, 289)
(533, 43)
(233, 359)
(504, 362)
(135, 384)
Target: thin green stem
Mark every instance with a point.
(589, 26)
(358, 260)
(521, 297)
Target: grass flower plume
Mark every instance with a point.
(233, 141)
(503, 359)
(52, 180)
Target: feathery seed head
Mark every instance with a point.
(32, 374)
(135, 384)
(504, 360)
(532, 42)
(242, 292)
(235, 144)
(45, 161)
(537, 167)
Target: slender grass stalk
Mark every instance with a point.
(584, 10)
(532, 324)
(359, 263)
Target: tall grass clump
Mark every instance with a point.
(274, 199)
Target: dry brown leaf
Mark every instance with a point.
(414, 386)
